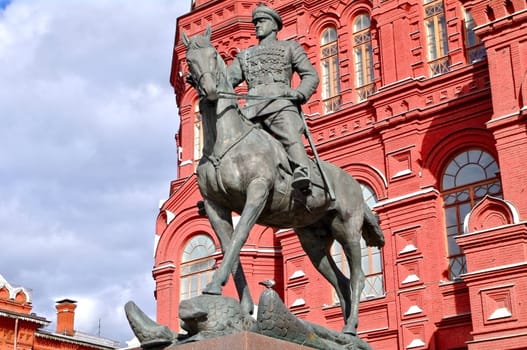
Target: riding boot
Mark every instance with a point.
(301, 179)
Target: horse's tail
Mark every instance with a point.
(371, 231)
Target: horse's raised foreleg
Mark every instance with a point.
(257, 193)
(221, 221)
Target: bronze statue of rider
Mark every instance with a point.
(267, 68)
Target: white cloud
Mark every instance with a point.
(86, 151)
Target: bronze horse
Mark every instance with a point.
(245, 170)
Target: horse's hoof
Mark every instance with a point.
(212, 289)
(349, 329)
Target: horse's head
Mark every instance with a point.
(203, 63)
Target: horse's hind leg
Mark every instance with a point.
(317, 247)
(348, 233)
(353, 254)
(346, 228)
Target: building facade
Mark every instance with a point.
(424, 102)
(20, 329)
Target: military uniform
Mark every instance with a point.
(268, 69)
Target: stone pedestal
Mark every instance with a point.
(239, 341)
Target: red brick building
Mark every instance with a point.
(20, 329)
(425, 103)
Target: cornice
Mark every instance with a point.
(216, 13)
(505, 272)
(188, 188)
(403, 201)
(24, 317)
(501, 235)
(494, 29)
(404, 102)
(461, 81)
(455, 320)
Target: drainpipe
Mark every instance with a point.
(16, 333)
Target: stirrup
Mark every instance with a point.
(301, 180)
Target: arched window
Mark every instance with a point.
(436, 36)
(475, 49)
(329, 63)
(198, 135)
(197, 266)
(468, 177)
(371, 258)
(363, 55)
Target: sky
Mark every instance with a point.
(87, 152)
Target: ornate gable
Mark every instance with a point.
(491, 212)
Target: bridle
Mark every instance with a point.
(196, 83)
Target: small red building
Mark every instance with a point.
(425, 104)
(20, 329)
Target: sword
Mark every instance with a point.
(307, 134)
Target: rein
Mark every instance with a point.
(215, 160)
(224, 94)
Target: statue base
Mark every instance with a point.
(239, 341)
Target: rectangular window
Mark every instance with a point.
(475, 49)
(330, 76)
(363, 57)
(436, 37)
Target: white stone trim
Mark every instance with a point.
(13, 291)
(297, 274)
(408, 248)
(502, 312)
(415, 343)
(410, 278)
(164, 266)
(414, 309)
(406, 196)
(170, 216)
(298, 302)
(495, 268)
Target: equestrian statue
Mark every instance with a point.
(254, 163)
(244, 169)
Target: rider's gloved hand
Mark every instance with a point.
(295, 95)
